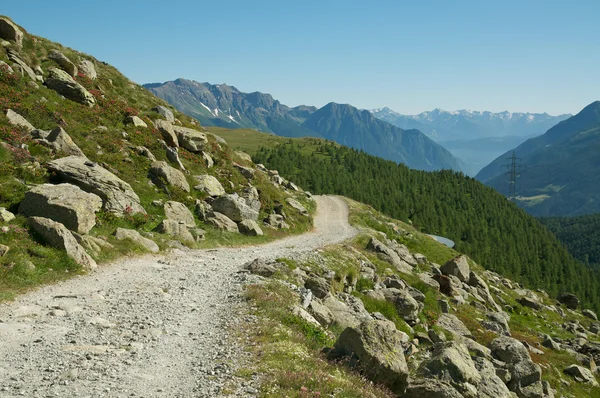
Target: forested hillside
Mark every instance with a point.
(492, 230)
(581, 236)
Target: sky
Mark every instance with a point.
(520, 56)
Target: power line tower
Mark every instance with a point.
(512, 173)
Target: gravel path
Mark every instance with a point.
(154, 326)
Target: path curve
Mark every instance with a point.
(153, 326)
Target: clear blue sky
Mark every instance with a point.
(526, 55)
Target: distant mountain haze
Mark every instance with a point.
(559, 171)
(225, 106)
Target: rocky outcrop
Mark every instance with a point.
(135, 237)
(61, 82)
(190, 139)
(57, 235)
(165, 112)
(166, 176)
(59, 141)
(210, 185)
(458, 267)
(63, 203)
(376, 347)
(235, 208)
(179, 212)
(17, 120)
(117, 196)
(222, 222)
(10, 31)
(168, 134)
(64, 62)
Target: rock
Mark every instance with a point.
(294, 204)
(135, 237)
(5, 215)
(117, 196)
(176, 229)
(261, 267)
(6, 67)
(165, 112)
(22, 65)
(429, 281)
(3, 250)
(88, 69)
(10, 31)
(569, 300)
(451, 362)
(548, 342)
(458, 267)
(435, 336)
(145, 152)
(179, 212)
(168, 134)
(190, 139)
(276, 221)
(531, 302)
(318, 286)
(431, 388)
(525, 375)
(388, 255)
(376, 345)
(581, 374)
(305, 316)
(392, 282)
(243, 156)
(491, 386)
(64, 62)
(59, 141)
(250, 228)
(210, 185)
(346, 314)
(164, 175)
(321, 313)
(136, 121)
(252, 198)
(57, 235)
(173, 157)
(64, 203)
(475, 348)
(235, 208)
(497, 322)
(92, 244)
(222, 222)
(447, 287)
(590, 314)
(454, 325)
(208, 160)
(406, 306)
(61, 82)
(17, 120)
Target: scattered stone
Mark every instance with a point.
(164, 176)
(190, 139)
(135, 237)
(208, 160)
(210, 185)
(179, 212)
(451, 362)
(61, 82)
(581, 374)
(22, 65)
(59, 141)
(64, 203)
(261, 267)
(318, 286)
(88, 69)
(276, 221)
(447, 287)
(524, 373)
(406, 306)
(388, 255)
(64, 62)
(458, 267)
(297, 206)
(247, 172)
(3, 250)
(165, 112)
(57, 235)
(168, 134)
(143, 151)
(320, 312)
(175, 229)
(10, 31)
(243, 156)
(590, 314)
(454, 325)
(222, 222)
(136, 121)
(250, 228)
(235, 208)
(5, 215)
(569, 300)
(17, 120)
(531, 302)
(548, 342)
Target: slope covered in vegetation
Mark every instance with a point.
(581, 236)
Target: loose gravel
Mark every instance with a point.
(153, 326)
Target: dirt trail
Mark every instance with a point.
(154, 326)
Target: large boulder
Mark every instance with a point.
(61, 82)
(190, 139)
(458, 267)
(175, 229)
(166, 130)
(117, 196)
(63, 203)
(235, 208)
(525, 375)
(179, 212)
(165, 112)
(406, 306)
(252, 197)
(491, 386)
(250, 228)
(222, 222)
(210, 185)
(164, 175)
(581, 374)
(388, 255)
(431, 388)
(88, 69)
(17, 120)
(454, 325)
(451, 362)
(59, 236)
(64, 62)
(135, 237)
(497, 322)
(569, 300)
(319, 286)
(347, 313)
(377, 346)
(10, 31)
(61, 142)
(21, 64)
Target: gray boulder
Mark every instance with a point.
(454, 325)
(276, 221)
(208, 160)
(63, 203)
(250, 228)
(431, 388)
(318, 286)
(145, 152)
(525, 375)
(320, 312)
(135, 237)
(388, 255)
(569, 300)
(210, 185)
(243, 156)
(377, 346)
(164, 175)
(92, 244)
(64, 62)
(61, 82)
(294, 204)
(117, 196)
(166, 131)
(261, 267)
(451, 362)
(17, 120)
(6, 67)
(22, 65)
(590, 314)
(10, 31)
(179, 212)
(136, 121)
(222, 222)
(548, 342)
(61, 142)
(235, 208)
(57, 235)
(531, 302)
(497, 322)
(5, 215)
(87, 68)
(165, 112)
(247, 172)
(252, 198)
(458, 267)
(491, 386)
(173, 157)
(175, 229)
(406, 306)
(581, 374)
(348, 313)
(190, 139)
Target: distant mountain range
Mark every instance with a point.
(475, 137)
(559, 171)
(225, 106)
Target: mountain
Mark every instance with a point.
(559, 171)
(474, 137)
(225, 106)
